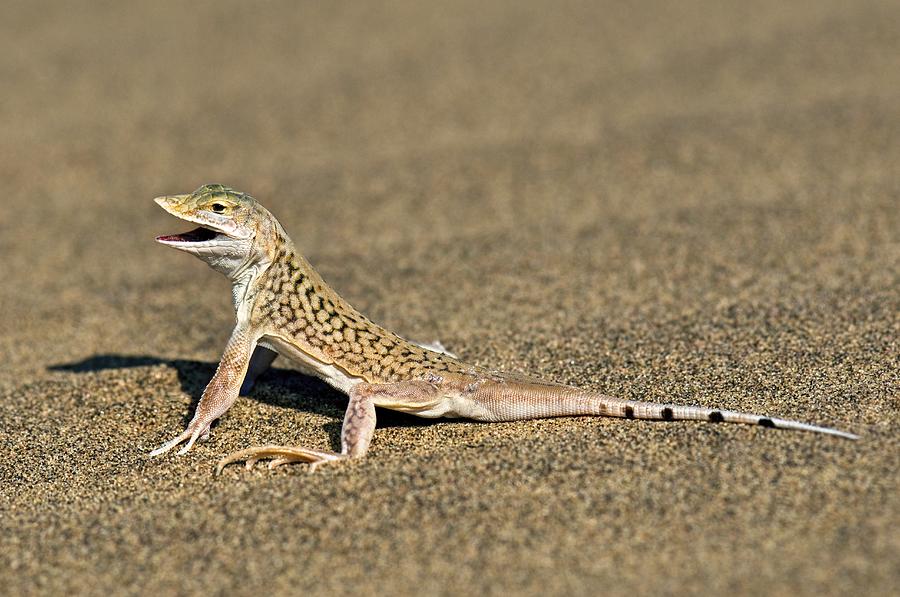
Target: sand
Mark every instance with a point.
(689, 202)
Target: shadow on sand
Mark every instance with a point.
(277, 386)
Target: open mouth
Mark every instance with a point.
(198, 235)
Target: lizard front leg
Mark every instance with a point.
(356, 432)
(220, 393)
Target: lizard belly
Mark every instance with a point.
(449, 402)
(309, 365)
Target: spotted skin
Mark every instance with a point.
(296, 303)
(283, 306)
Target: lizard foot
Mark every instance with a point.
(190, 435)
(279, 455)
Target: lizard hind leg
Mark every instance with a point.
(356, 432)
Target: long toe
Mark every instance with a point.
(279, 454)
(171, 444)
(278, 462)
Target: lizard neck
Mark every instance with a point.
(247, 279)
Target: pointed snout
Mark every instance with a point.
(169, 202)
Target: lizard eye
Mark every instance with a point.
(218, 208)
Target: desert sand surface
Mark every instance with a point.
(691, 202)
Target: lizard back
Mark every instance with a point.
(294, 303)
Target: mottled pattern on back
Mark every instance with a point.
(295, 302)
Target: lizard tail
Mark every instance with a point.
(633, 409)
(539, 401)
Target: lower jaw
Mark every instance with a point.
(197, 235)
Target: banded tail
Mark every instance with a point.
(633, 409)
(537, 400)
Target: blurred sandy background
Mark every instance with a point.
(693, 202)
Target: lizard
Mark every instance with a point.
(284, 307)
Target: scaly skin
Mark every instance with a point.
(296, 305)
(284, 307)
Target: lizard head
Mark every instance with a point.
(229, 226)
